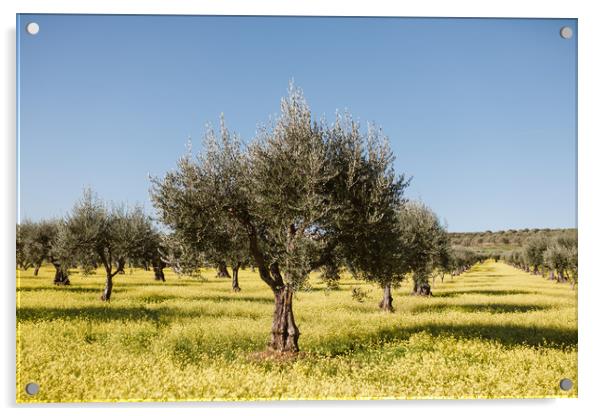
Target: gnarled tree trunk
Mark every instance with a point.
(106, 293)
(235, 286)
(285, 334)
(222, 270)
(60, 276)
(386, 304)
(158, 270)
(36, 270)
(422, 289)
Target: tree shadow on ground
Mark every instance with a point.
(491, 292)
(155, 298)
(141, 313)
(481, 307)
(69, 288)
(487, 275)
(506, 335)
(233, 298)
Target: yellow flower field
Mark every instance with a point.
(491, 332)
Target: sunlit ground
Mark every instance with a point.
(492, 332)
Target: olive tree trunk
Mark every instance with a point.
(285, 334)
(386, 304)
(222, 270)
(235, 286)
(106, 293)
(422, 289)
(36, 270)
(61, 277)
(159, 274)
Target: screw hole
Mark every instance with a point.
(32, 28)
(32, 388)
(566, 32)
(566, 384)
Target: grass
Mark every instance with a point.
(492, 332)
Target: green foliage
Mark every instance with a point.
(423, 240)
(558, 254)
(504, 241)
(184, 259)
(358, 294)
(96, 234)
(463, 258)
(302, 196)
(561, 256)
(36, 242)
(369, 228)
(533, 250)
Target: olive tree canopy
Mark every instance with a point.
(424, 240)
(291, 191)
(109, 236)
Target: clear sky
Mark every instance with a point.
(481, 112)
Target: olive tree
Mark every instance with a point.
(111, 236)
(150, 252)
(534, 247)
(288, 190)
(38, 242)
(371, 238)
(230, 247)
(22, 234)
(184, 259)
(423, 238)
(561, 257)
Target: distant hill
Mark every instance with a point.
(503, 240)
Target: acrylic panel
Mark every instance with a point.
(309, 208)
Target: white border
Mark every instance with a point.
(590, 30)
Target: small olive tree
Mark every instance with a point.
(463, 258)
(111, 236)
(423, 239)
(372, 241)
(150, 253)
(38, 241)
(184, 259)
(230, 247)
(561, 257)
(534, 248)
(23, 230)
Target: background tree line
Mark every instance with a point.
(546, 252)
(555, 257)
(504, 239)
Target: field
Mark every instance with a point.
(491, 332)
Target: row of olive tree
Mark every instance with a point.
(303, 196)
(92, 235)
(37, 244)
(557, 257)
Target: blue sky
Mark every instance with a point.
(481, 112)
